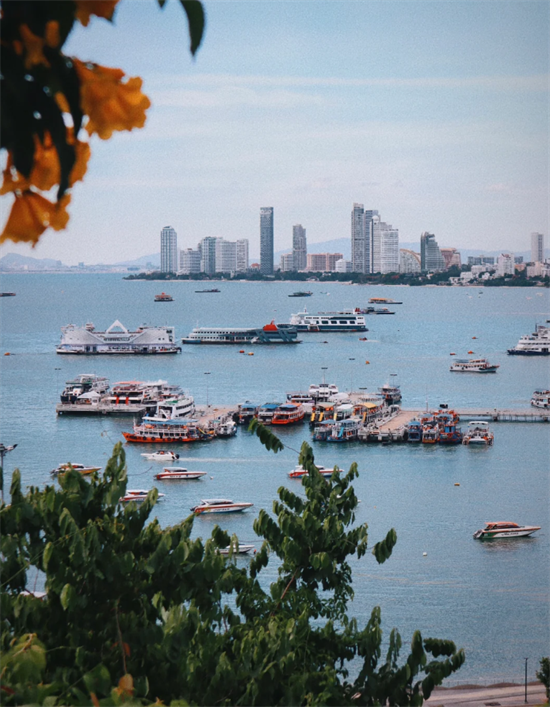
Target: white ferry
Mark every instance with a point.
(541, 399)
(535, 344)
(269, 334)
(84, 387)
(347, 320)
(478, 433)
(117, 339)
(473, 365)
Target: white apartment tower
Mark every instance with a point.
(537, 248)
(242, 255)
(168, 250)
(225, 256)
(299, 247)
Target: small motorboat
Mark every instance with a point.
(504, 529)
(299, 471)
(137, 496)
(84, 470)
(478, 433)
(161, 456)
(178, 473)
(238, 550)
(219, 505)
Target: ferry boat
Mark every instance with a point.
(449, 433)
(266, 412)
(137, 496)
(331, 411)
(347, 320)
(161, 456)
(337, 430)
(83, 385)
(536, 344)
(219, 505)
(478, 433)
(390, 393)
(163, 297)
(246, 411)
(473, 365)
(269, 334)
(504, 529)
(117, 339)
(541, 399)
(383, 300)
(135, 394)
(178, 473)
(81, 468)
(300, 472)
(414, 431)
(168, 431)
(288, 414)
(177, 408)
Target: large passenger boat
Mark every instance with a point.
(84, 387)
(473, 365)
(288, 414)
(535, 344)
(347, 320)
(152, 431)
(541, 399)
(117, 339)
(383, 300)
(269, 334)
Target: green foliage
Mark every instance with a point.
(544, 675)
(134, 613)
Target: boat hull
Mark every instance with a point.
(497, 535)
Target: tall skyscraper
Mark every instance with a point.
(168, 250)
(299, 247)
(361, 238)
(537, 248)
(431, 259)
(266, 240)
(226, 256)
(207, 248)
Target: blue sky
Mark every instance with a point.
(434, 113)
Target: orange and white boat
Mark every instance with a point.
(84, 470)
(299, 471)
(288, 414)
(478, 433)
(219, 505)
(178, 473)
(504, 529)
(168, 432)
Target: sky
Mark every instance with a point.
(434, 113)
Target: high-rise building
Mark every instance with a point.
(361, 238)
(190, 261)
(207, 248)
(323, 262)
(409, 261)
(431, 259)
(537, 248)
(384, 245)
(168, 250)
(287, 262)
(266, 240)
(299, 247)
(451, 256)
(242, 255)
(225, 256)
(505, 264)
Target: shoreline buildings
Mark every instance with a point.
(299, 247)
(374, 243)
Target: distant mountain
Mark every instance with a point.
(141, 262)
(15, 261)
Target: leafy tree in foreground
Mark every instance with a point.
(134, 613)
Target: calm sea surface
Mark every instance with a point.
(490, 598)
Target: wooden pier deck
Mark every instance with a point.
(486, 414)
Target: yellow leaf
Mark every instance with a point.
(101, 8)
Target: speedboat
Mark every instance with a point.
(478, 433)
(504, 529)
(219, 505)
(299, 471)
(237, 549)
(178, 473)
(137, 496)
(541, 399)
(84, 470)
(161, 456)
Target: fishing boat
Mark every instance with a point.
(414, 431)
(246, 411)
(541, 399)
(288, 414)
(178, 473)
(219, 505)
(478, 433)
(299, 471)
(81, 468)
(473, 365)
(347, 320)
(430, 430)
(449, 433)
(137, 496)
(536, 344)
(214, 289)
(117, 339)
(266, 412)
(163, 297)
(504, 529)
(269, 334)
(161, 456)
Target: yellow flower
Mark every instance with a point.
(110, 103)
(101, 8)
(31, 214)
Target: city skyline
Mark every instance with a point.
(286, 104)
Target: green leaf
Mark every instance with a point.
(196, 20)
(67, 596)
(382, 550)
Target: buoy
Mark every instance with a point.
(241, 351)
(452, 354)
(7, 353)
(470, 352)
(367, 362)
(424, 554)
(474, 337)
(457, 484)
(250, 353)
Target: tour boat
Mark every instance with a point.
(246, 411)
(239, 549)
(80, 388)
(541, 399)
(163, 297)
(473, 365)
(348, 320)
(504, 529)
(430, 431)
(288, 414)
(383, 300)
(269, 334)
(224, 426)
(117, 339)
(137, 496)
(414, 429)
(219, 505)
(537, 344)
(337, 430)
(266, 412)
(299, 471)
(178, 473)
(152, 431)
(81, 468)
(478, 433)
(391, 393)
(161, 456)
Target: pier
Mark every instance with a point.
(485, 414)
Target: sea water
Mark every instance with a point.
(490, 598)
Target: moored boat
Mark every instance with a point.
(288, 414)
(137, 496)
(347, 320)
(541, 399)
(219, 505)
(478, 433)
(163, 297)
(473, 365)
(383, 300)
(178, 473)
(301, 294)
(86, 387)
(117, 339)
(168, 431)
(240, 549)
(81, 468)
(504, 529)
(414, 430)
(269, 334)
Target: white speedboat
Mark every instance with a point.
(541, 399)
(178, 473)
(504, 529)
(219, 505)
(81, 468)
(137, 496)
(161, 456)
(473, 365)
(478, 433)
(239, 550)
(299, 471)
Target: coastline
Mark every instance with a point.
(504, 694)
